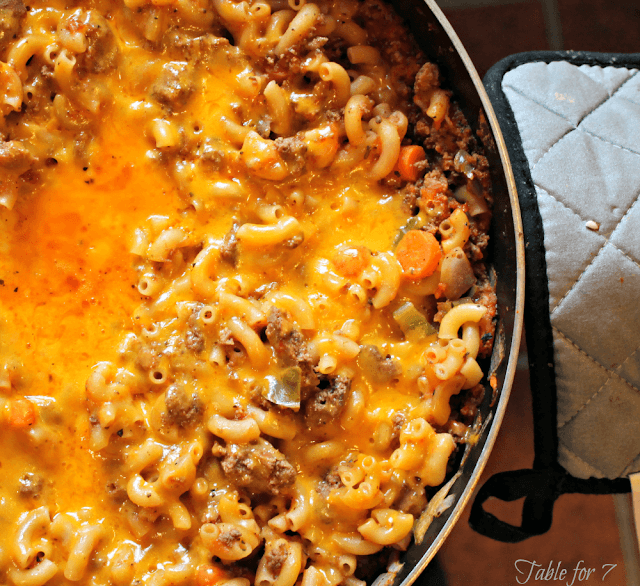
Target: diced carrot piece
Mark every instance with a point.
(210, 575)
(409, 156)
(419, 254)
(22, 413)
(351, 260)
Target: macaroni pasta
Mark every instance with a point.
(244, 309)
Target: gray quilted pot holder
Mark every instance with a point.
(572, 126)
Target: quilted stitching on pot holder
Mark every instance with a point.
(580, 130)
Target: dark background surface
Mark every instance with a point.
(493, 29)
(585, 528)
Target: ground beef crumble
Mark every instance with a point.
(182, 409)
(275, 558)
(229, 248)
(260, 468)
(327, 403)
(291, 347)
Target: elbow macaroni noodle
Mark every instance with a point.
(204, 375)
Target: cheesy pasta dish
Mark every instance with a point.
(243, 297)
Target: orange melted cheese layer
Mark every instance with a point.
(70, 291)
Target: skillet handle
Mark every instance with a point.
(539, 489)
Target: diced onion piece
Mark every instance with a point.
(462, 164)
(456, 274)
(477, 204)
(285, 390)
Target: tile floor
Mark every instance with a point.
(584, 527)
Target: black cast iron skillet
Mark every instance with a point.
(437, 39)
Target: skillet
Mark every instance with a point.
(437, 39)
